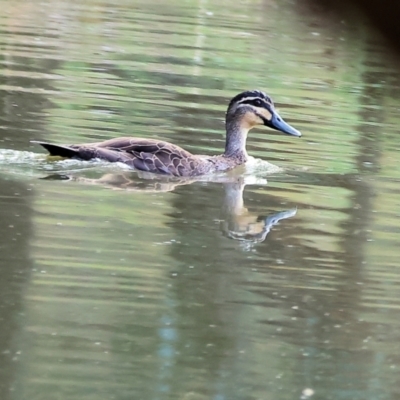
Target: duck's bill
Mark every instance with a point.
(279, 124)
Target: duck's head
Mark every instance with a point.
(252, 108)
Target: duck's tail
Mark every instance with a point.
(57, 150)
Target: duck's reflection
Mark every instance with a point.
(237, 222)
(240, 224)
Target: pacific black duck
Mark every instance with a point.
(245, 111)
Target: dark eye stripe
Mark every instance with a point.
(255, 101)
(248, 96)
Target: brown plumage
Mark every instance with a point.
(245, 111)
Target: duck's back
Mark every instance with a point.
(149, 155)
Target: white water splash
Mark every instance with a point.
(258, 167)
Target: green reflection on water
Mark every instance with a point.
(109, 292)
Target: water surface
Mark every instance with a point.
(267, 283)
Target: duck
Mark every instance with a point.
(245, 111)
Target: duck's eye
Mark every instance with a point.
(258, 103)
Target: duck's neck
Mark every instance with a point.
(236, 136)
(233, 203)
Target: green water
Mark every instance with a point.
(273, 282)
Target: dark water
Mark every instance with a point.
(268, 284)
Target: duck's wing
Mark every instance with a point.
(143, 154)
(157, 156)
